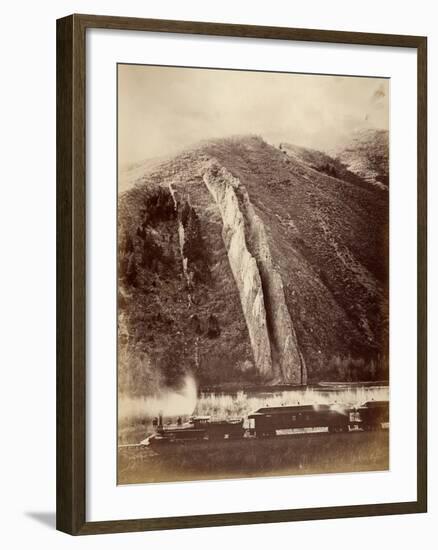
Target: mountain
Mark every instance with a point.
(244, 263)
(366, 154)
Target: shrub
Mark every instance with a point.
(213, 330)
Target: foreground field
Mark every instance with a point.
(311, 453)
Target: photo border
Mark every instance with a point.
(71, 274)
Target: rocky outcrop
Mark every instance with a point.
(243, 266)
(260, 284)
(284, 344)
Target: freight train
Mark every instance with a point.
(268, 421)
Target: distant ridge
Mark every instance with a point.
(367, 155)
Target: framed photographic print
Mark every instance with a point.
(241, 274)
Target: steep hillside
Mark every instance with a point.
(322, 162)
(243, 263)
(367, 155)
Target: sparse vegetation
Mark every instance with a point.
(350, 369)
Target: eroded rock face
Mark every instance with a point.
(243, 266)
(272, 334)
(284, 344)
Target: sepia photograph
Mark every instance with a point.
(252, 274)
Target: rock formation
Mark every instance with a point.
(260, 286)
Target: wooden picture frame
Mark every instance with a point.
(71, 273)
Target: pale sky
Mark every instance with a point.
(162, 110)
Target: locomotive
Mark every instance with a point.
(267, 421)
(197, 428)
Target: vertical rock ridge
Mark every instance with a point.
(284, 344)
(244, 268)
(240, 218)
(181, 240)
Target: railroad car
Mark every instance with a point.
(266, 421)
(373, 414)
